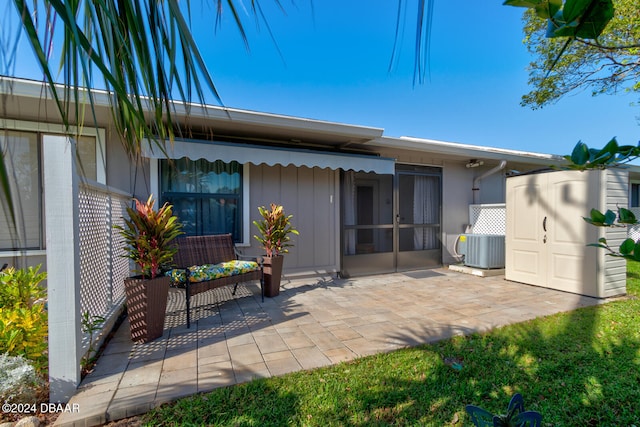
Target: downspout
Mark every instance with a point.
(477, 180)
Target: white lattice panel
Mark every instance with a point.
(488, 218)
(633, 231)
(119, 264)
(101, 266)
(95, 292)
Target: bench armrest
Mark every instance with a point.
(257, 259)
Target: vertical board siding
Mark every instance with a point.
(616, 195)
(306, 194)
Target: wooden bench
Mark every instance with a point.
(212, 249)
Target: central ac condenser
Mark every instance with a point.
(482, 250)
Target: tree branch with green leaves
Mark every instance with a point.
(597, 50)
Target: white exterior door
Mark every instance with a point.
(524, 246)
(546, 237)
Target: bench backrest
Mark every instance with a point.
(198, 250)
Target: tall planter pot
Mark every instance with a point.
(272, 275)
(146, 306)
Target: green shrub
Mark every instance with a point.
(23, 317)
(21, 288)
(19, 382)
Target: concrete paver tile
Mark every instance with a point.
(296, 340)
(310, 357)
(210, 347)
(277, 355)
(219, 358)
(92, 381)
(241, 339)
(110, 364)
(362, 346)
(118, 347)
(131, 401)
(313, 323)
(248, 372)
(265, 331)
(150, 351)
(176, 384)
(337, 355)
(270, 343)
(214, 369)
(325, 340)
(345, 333)
(283, 366)
(180, 359)
(245, 354)
(89, 417)
(141, 373)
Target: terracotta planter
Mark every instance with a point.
(272, 275)
(146, 306)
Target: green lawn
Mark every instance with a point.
(580, 368)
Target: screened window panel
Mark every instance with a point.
(635, 195)
(20, 153)
(87, 162)
(206, 196)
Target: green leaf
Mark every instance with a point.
(523, 3)
(544, 8)
(598, 245)
(596, 218)
(580, 154)
(627, 247)
(611, 147)
(553, 6)
(581, 18)
(574, 9)
(595, 21)
(636, 251)
(610, 217)
(626, 216)
(600, 219)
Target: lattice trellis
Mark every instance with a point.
(101, 266)
(488, 218)
(633, 231)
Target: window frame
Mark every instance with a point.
(245, 220)
(56, 129)
(631, 184)
(42, 130)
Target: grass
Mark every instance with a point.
(576, 368)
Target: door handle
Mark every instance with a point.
(544, 224)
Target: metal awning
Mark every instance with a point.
(244, 153)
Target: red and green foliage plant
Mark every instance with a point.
(275, 230)
(149, 236)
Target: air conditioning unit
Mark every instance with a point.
(482, 250)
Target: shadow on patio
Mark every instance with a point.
(312, 323)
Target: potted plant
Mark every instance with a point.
(275, 236)
(149, 235)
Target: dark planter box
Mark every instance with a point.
(146, 306)
(272, 275)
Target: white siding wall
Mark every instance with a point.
(614, 271)
(457, 181)
(492, 188)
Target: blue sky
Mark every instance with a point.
(335, 61)
(331, 61)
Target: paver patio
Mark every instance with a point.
(314, 322)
